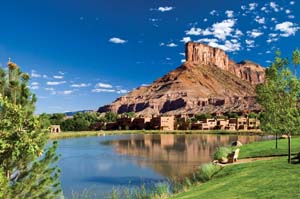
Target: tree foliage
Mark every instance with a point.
(29, 170)
(203, 116)
(279, 97)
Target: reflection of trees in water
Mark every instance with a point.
(175, 155)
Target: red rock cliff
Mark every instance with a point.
(198, 53)
(207, 82)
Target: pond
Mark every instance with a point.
(99, 164)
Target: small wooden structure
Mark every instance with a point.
(55, 129)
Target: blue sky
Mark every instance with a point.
(83, 54)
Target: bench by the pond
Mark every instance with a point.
(232, 157)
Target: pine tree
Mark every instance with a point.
(29, 168)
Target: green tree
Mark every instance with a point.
(130, 114)
(57, 118)
(44, 120)
(29, 168)
(279, 97)
(296, 60)
(252, 115)
(233, 115)
(203, 116)
(111, 117)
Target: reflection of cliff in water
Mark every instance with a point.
(176, 155)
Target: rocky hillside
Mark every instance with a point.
(207, 82)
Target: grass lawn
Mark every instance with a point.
(261, 179)
(267, 148)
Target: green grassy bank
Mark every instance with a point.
(261, 179)
(73, 134)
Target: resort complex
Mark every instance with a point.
(170, 123)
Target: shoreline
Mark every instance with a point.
(74, 134)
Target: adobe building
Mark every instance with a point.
(124, 123)
(231, 124)
(164, 123)
(55, 129)
(140, 123)
(253, 123)
(242, 123)
(208, 124)
(222, 123)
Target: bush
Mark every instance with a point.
(207, 171)
(160, 190)
(222, 152)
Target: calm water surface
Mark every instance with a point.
(101, 163)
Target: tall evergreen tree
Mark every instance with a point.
(28, 166)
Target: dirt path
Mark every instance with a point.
(247, 160)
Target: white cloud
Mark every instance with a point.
(34, 87)
(58, 77)
(291, 16)
(287, 11)
(55, 83)
(213, 12)
(99, 90)
(205, 19)
(292, 2)
(274, 6)
(250, 43)
(171, 45)
(252, 6)
(49, 89)
(220, 30)
(194, 31)
(264, 9)
(35, 74)
(67, 92)
(254, 33)
(117, 40)
(223, 29)
(61, 73)
(227, 46)
(104, 85)
(81, 85)
(229, 13)
(52, 90)
(287, 28)
(122, 91)
(165, 9)
(186, 39)
(35, 84)
(260, 20)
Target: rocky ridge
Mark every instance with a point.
(207, 82)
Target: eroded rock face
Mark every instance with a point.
(198, 53)
(207, 82)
